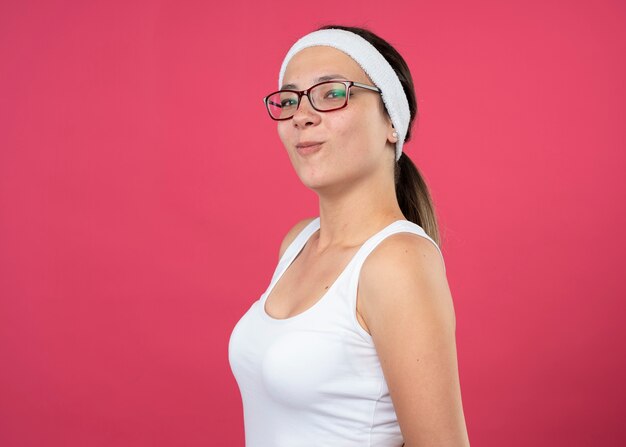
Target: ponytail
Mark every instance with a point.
(414, 198)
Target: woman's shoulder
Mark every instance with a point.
(406, 251)
(403, 273)
(403, 260)
(292, 233)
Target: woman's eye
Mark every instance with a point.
(336, 94)
(287, 102)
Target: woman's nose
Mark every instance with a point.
(306, 114)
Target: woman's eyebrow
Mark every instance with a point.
(320, 79)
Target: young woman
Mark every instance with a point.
(353, 342)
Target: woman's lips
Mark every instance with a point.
(308, 148)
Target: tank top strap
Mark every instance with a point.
(399, 226)
(296, 246)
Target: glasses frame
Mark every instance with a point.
(301, 93)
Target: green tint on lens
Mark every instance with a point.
(337, 93)
(328, 96)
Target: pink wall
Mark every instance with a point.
(144, 193)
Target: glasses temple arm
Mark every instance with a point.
(274, 103)
(369, 87)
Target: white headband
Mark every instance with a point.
(372, 62)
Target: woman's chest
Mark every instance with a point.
(303, 363)
(304, 283)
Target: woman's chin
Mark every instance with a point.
(322, 184)
(312, 182)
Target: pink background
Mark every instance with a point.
(144, 194)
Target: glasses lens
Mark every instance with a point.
(329, 95)
(282, 104)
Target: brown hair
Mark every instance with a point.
(411, 189)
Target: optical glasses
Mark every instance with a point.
(323, 97)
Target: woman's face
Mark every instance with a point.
(356, 140)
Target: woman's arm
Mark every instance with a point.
(406, 303)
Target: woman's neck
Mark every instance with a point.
(350, 219)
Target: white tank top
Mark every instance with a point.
(315, 379)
